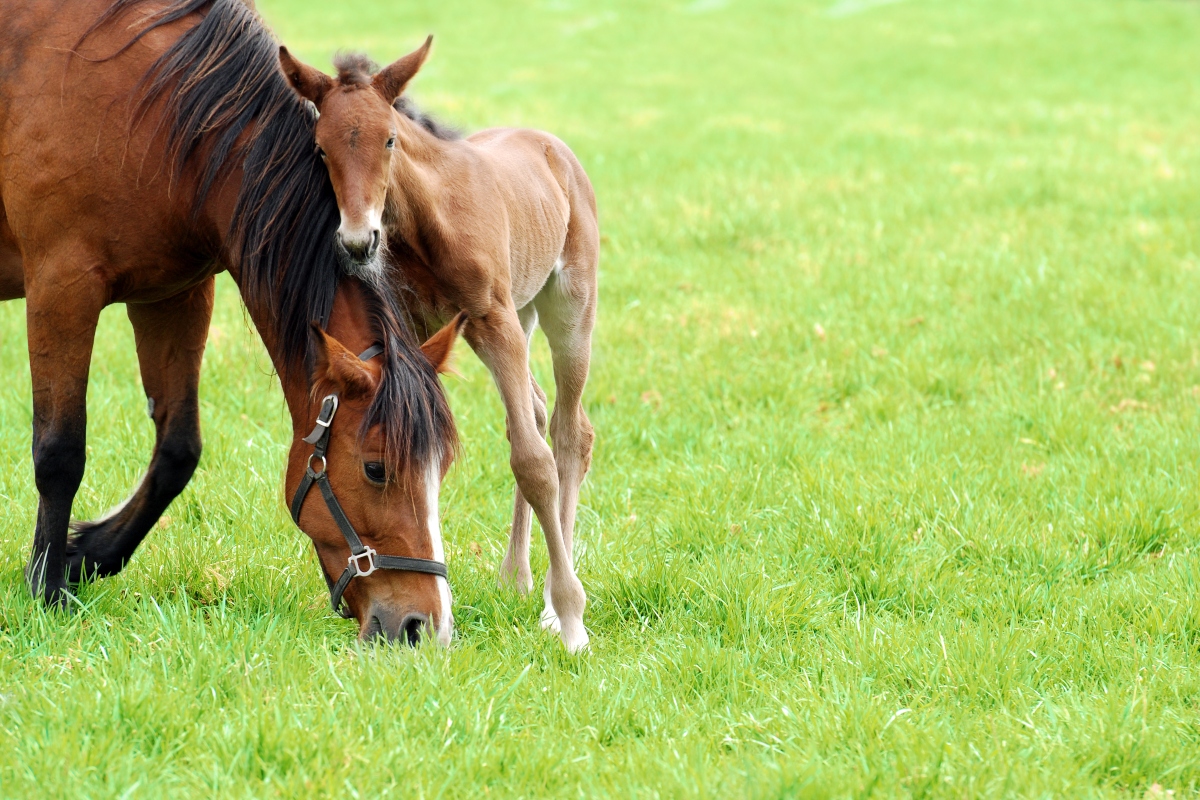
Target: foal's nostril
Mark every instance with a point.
(412, 628)
(359, 250)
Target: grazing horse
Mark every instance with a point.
(146, 145)
(500, 226)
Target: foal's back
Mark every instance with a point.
(550, 204)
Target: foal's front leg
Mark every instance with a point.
(514, 569)
(170, 337)
(500, 343)
(63, 305)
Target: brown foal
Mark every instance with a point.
(144, 147)
(501, 226)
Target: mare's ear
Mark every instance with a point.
(439, 347)
(391, 80)
(309, 82)
(352, 378)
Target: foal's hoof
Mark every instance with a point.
(574, 637)
(514, 577)
(549, 620)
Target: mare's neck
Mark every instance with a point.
(292, 377)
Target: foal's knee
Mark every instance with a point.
(572, 430)
(58, 460)
(535, 472)
(587, 440)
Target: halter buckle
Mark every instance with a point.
(325, 423)
(369, 555)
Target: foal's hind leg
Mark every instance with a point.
(567, 310)
(61, 333)
(170, 338)
(515, 567)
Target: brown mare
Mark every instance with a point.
(146, 145)
(501, 226)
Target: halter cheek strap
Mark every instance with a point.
(363, 559)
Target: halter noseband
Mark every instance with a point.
(363, 560)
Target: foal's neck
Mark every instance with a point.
(424, 170)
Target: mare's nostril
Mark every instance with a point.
(413, 628)
(374, 248)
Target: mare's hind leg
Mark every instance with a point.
(567, 311)
(64, 303)
(515, 569)
(170, 338)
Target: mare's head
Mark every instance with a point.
(356, 137)
(386, 450)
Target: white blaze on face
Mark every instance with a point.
(362, 233)
(433, 482)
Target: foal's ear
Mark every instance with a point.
(439, 347)
(309, 82)
(391, 80)
(353, 378)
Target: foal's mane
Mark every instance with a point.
(226, 104)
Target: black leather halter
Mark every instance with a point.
(363, 560)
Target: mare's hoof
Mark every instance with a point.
(59, 598)
(82, 561)
(56, 595)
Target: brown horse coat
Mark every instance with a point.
(145, 146)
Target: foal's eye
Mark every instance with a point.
(321, 152)
(391, 143)
(375, 471)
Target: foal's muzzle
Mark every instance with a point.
(360, 250)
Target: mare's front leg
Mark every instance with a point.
(500, 343)
(170, 337)
(64, 300)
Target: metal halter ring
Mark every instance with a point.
(324, 464)
(369, 555)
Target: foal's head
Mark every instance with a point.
(384, 452)
(356, 137)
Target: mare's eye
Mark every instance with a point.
(391, 143)
(375, 471)
(321, 152)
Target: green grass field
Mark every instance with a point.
(896, 389)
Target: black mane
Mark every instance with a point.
(227, 106)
